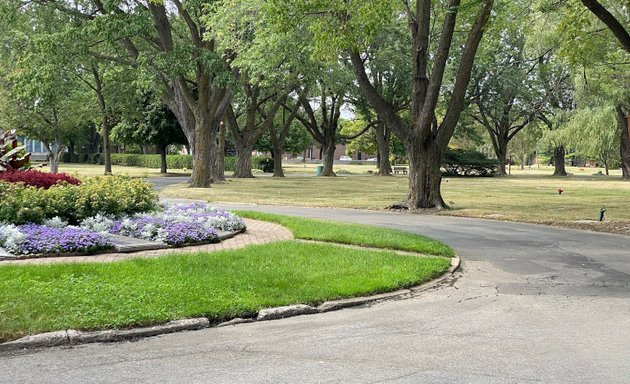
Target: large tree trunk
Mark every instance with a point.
(204, 155)
(425, 175)
(100, 96)
(218, 171)
(107, 151)
(558, 161)
(54, 156)
(243, 164)
(382, 140)
(163, 165)
(623, 121)
(277, 159)
(329, 158)
(501, 152)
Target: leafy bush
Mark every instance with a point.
(114, 195)
(461, 162)
(266, 164)
(37, 179)
(106, 195)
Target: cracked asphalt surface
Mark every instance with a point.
(530, 304)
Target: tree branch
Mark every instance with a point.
(611, 22)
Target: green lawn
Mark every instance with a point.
(218, 285)
(354, 234)
(529, 195)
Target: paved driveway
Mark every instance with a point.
(531, 304)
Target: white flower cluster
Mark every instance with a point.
(55, 222)
(11, 238)
(99, 223)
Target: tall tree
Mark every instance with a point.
(351, 26)
(155, 125)
(506, 90)
(599, 61)
(425, 137)
(164, 41)
(615, 25)
(247, 124)
(284, 135)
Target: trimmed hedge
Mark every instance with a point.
(177, 161)
(152, 161)
(111, 195)
(461, 162)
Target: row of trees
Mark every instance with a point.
(419, 72)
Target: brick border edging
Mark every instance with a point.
(72, 337)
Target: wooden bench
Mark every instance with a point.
(398, 169)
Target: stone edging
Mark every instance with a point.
(73, 337)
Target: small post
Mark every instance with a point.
(602, 213)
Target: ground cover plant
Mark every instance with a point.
(174, 224)
(219, 285)
(30, 239)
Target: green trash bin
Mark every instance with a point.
(319, 169)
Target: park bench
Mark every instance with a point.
(399, 169)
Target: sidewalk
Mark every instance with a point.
(258, 232)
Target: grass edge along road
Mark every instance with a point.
(218, 285)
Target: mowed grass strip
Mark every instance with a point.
(354, 234)
(218, 285)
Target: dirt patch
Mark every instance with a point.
(619, 227)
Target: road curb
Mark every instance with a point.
(74, 337)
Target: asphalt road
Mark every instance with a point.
(531, 304)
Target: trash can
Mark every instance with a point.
(319, 169)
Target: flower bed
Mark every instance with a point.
(30, 239)
(176, 224)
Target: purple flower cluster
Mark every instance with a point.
(42, 239)
(170, 231)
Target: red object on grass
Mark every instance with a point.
(37, 179)
(560, 190)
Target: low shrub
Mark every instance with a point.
(266, 164)
(38, 179)
(182, 161)
(461, 162)
(152, 161)
(112, 195)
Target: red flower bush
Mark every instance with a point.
(37, 179)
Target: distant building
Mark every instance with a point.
(35, 147)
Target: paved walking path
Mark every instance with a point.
(258, 232)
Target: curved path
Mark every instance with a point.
(531, 304)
